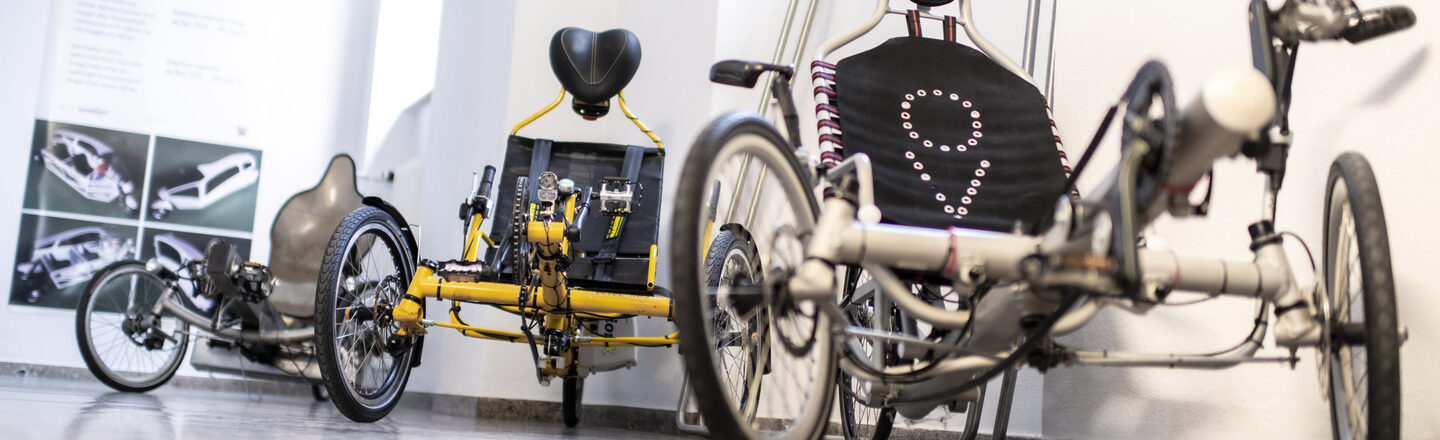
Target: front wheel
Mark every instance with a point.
(734, 249)
(124, 342)
(367, 268)
(1363, 358)
(574, 389)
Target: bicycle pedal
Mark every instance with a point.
(458, 271)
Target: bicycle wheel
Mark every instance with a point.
(759, 335)
(733, 261)
(572, 390)
(364, 363)
(124, 343)
(858, 420)
(1364, 355)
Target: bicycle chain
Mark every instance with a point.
(518, 212)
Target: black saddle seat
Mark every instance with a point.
(594, 66)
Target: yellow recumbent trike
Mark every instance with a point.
(571, 252)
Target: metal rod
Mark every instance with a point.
(1007, 400)
(757, 194)
(764, 107)
(804, 36)
(739, 188)
(1050, 65)
(911, 340)
(1032, 29)
(192, 318)
(765, 103)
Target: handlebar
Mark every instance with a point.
(1377, 22)
(1316, 20)
(486, 181)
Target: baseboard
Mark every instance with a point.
(608, 416)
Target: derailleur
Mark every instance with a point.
(557, 342)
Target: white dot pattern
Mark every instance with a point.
(906, 106)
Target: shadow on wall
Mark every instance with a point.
(1401, 79)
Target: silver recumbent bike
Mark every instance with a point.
(880, 269)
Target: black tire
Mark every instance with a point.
(858, 421)
(367, 267)
(118, 302)
(1358, 244)
(854, 425)
(732, 258)
(571, 393)
(731, 136)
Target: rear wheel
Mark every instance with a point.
(1363, 358)
(858, 419)
(124, 342)
(731, 305)
(366, 270)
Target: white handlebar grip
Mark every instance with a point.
(1229, 109)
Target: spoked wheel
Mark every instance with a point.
(1363, 358)
(859, 420)
(366, 270)
(570, 396)
(741, 326)
(733, 261)
(125, 344)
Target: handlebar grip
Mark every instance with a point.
(486, 181)
(1380, 21)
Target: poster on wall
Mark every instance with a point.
(57, 256)
(147, 140)
(204, 185)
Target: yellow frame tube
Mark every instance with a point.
(427, 285)
(543, 111)
(626, 109)
(650, 275)
(474, 237)
(596, 341)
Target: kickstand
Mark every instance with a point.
(1007, 399)
(683, 409)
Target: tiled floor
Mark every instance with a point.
(38, 408)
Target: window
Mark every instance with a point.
(221, 178)
(164, 250)
(81, 239)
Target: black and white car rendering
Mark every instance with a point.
(205, 184)
(70, 258)
(90, 167)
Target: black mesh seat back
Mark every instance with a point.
(955, 139)
(586, 163)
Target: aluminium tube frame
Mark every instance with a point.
(998, 257)
(965, 20)
(167, 302)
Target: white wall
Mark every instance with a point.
(1376, 98)
(318, 96)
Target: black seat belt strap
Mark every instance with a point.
(618, 196)
(539, 163)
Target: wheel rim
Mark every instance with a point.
(119, 326)
(863, 420)
(1349, 379)
(796, 395)
(736, 358)
(371, 282)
